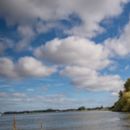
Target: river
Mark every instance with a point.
(91, 120)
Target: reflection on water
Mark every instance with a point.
(126, 121)
(93, 120)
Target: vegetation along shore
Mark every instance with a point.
(123, 103)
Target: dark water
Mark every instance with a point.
(93, 120)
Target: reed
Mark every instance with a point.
(15, 127)
(41, 128)
(14, 123)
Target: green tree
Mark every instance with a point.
(120, 94)
(123, 103)
(127, 85)
(81, 108)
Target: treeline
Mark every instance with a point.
(38, 111)
(82, 108)
(123, 103)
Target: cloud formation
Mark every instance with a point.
(25, 67)
(91, 12)
(69, 29)
(80, 58)
(92, 80)
(74, 51)
(120, 46)
(82, 61)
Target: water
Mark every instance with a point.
(92, 120)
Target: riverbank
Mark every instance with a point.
(57, 110)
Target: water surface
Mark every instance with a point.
(92, 120)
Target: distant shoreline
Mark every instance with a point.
(55, 110)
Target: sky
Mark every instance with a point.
(63, 54)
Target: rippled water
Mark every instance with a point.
(93, 120)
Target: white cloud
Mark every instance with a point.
(25, 67)
(28, 66)
(74, 51)
(91, 12)
(92, 80)
(119, 46)
(82, 60)
(7, 68)
(115, 94)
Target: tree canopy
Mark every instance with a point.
(123, 103)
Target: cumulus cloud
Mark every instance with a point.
(91, 12)
(82, 61)
(7, 68)
(92, 80)
(29, 66)
(25, 67)
(74, 51)
(119, 46)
